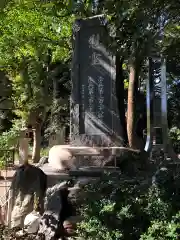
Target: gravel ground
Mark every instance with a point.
(11, 234)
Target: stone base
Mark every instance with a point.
(53, 175)
(67, 162)
(66, 157)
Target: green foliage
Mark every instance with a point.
(28, 31)
(9, 139)
(175, 138)
(6, 114)
(134, 26)
(44, 152)
(119, 209)
(33, 36)
(161, 230)
(36, 34)
(9, 142)
(174, 103)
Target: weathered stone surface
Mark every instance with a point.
(64, 157)
(70, 224)
(57, 210)
(67, 157)
(60, 158)
(77, 192)
(23, 148)
(54, 176)
(42, 161)
(31, 222)
(82, 156)
(83, 181)
(94, 113)
(167, 178)
(28, 181)
(169, 173)
(50, 219)
(161, 176)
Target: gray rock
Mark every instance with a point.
(77, 193)
(42, 161)
(160, 176)
(50, 219)
(54, 204)
(60, 158)
(50, 192)
(27, 182)
(54, 176)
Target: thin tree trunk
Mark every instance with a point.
(132, 92)
(120, 97)
(36, 143)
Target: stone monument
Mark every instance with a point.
(94, 114)
(156, 96)
(95, 126)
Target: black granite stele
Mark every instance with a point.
(94, 115)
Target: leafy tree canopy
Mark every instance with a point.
(32, 38)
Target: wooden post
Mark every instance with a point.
(9, 208)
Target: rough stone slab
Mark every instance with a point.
(50, 219)
(53, 176)
(93, 97)
(92, 171)
(27, 182)
(53, 205)
(86, 173)
(42, 161)
(46, 168)
(67, 157)
(85, 150)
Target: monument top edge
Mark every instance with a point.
(99, 148)
(91, 18)
(91, 21)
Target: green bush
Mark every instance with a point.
(175, 138)
(9, 141)
(162, 230)
(118, 209)
(44, 152)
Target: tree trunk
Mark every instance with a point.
(120, 97)
(36, 143)
(132, 92)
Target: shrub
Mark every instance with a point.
(175, 138)
(44, 152)
(8, 141)
(162, 230)
(116, 208)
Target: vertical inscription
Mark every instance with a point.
(96, 59)
(94, 41)
(157, 76)
(100, 113)
(82, 110)
(83, 97)
(91, 94)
